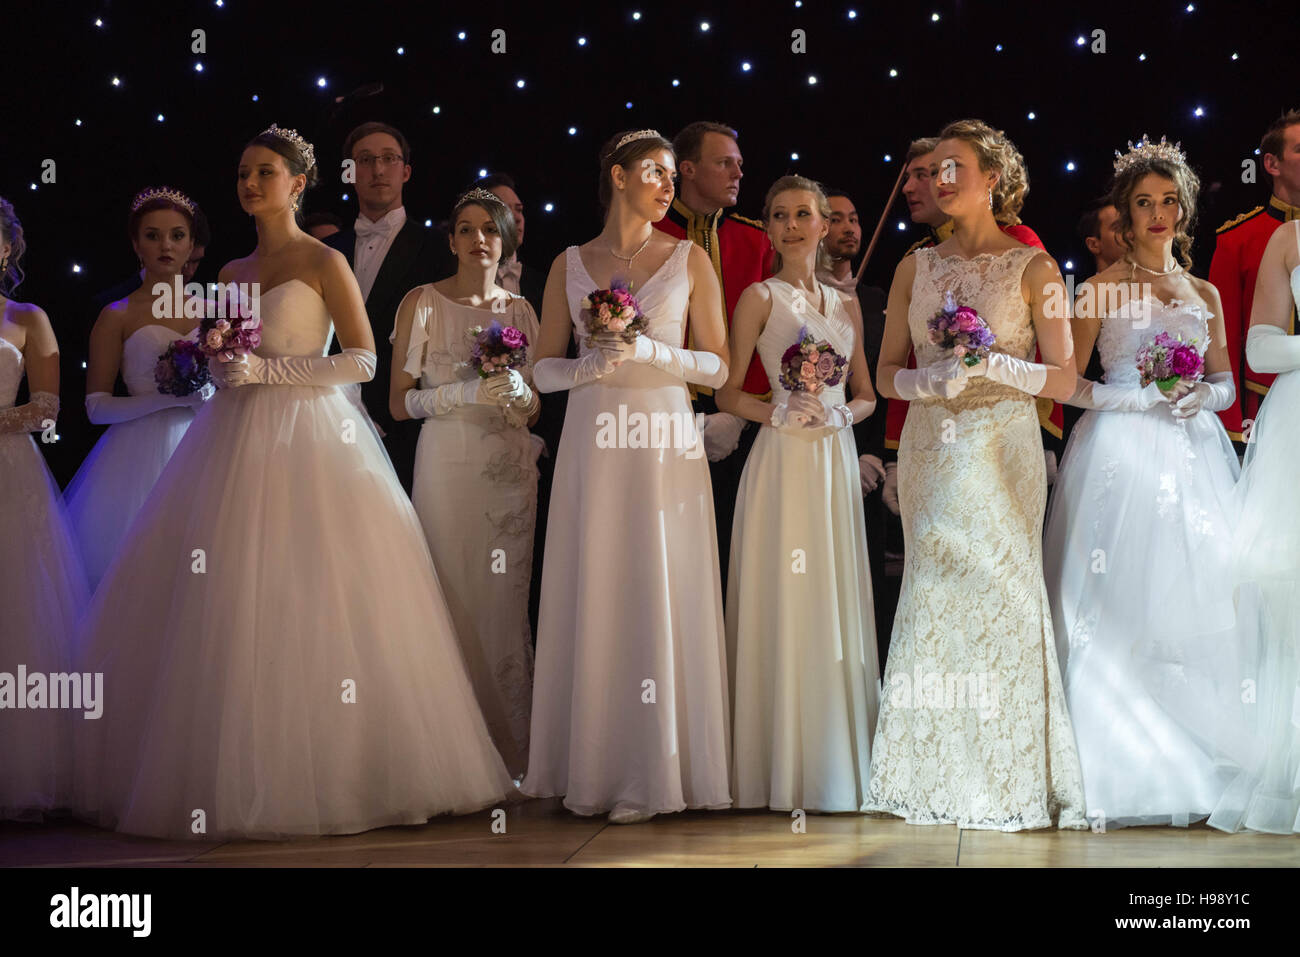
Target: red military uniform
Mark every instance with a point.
(741, 254)
(1050, 414)
(1238, 248)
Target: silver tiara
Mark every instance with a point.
(1146, 150)
(292, 136)
(162, 192)
(479, 194)
(638, 135)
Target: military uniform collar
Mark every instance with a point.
(943, 231)
(1282, 211)
(690, 219)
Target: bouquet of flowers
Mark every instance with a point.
(963, 330)
(810, 364)
(182, 369)
(497, 348)
(217, 336)
(1166, 360)
(613, 310)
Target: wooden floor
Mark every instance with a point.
(540, 833)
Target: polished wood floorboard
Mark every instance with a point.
(541, 833)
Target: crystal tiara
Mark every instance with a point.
(292, 136)
(162, 192)
(1146, 150)
(637, 135)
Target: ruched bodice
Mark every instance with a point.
(785, 325)
(140, 355)
(1124, 334)
(295, 321)
(11, 372)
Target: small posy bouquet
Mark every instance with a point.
(963, 330)
(497, 349)
(613, 310)
(182, 369)
(219, 336)
(811, 364)
(1166, 360)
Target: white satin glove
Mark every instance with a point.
(721, 434)
(1117, 397)
(1020, 374)
(350, 365)
(559, 374)
(31, 416)
(1049, 462)
(1214, 393)
(104, 408)
(443, 399)
(1270, 349)
(508, 386)
(696, 366)
(944, 379)
(871, 472)
(889, 495)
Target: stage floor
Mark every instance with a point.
(540, 833)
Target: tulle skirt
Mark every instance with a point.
(42, 592)
(115, 479)
(278, 659)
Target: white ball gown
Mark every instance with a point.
(118, 474)
(1266, 795)
(42, 592)
(475, 491)
(1137, 557)
(973, 728)
(276, 650)
(802, 644)
(631, 593)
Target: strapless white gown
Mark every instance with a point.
(118, 474)
(42, 592)
(278, 658)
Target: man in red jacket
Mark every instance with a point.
(1238, 248)
(709, 166)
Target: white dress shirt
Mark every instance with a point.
(373, 242)
(508, 274)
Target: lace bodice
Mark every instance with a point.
(783, 327)
(11, 372)
(140, 354)
(1122, 335)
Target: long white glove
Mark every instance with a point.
(696, 366)
(721, 434)
(944, 379)
(1214, 392)
(104, 408)
(871, 472)
(1116, 397)
(889, 494)
(511, 389)
(1018, 373)
(1270, 349)
(440, 400)
(558, 374)
(803, 410)
(350, 365)
(31, 416)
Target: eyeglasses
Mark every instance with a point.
(384, 159)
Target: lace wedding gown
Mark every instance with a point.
(42, 592)
(973, 728)
(630, 696)
(1137, 557)
(476, 494)
(278, 658)
(801, 634)
(118, 474)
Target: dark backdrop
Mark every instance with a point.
(58, 65)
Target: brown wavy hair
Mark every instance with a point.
(625, 157)
(995, 152)
(1185, 181)
(11, 230)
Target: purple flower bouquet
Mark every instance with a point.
(810, 364)
(497, 348)
(613, 310)
(219, 336)
(963, 330)
(1166, 360)
(182, 369)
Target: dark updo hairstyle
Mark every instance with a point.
(293, 158)
(626, 156)
(1185, 181)
(137, 214)
(11, 231)
(502, 218)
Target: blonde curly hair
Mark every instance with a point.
(995, 152)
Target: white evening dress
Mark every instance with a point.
(801, 634)
(630, 696)
(973, 727)
(1266, 795)
(118, 474)
(42, 592)
(278, 658)
(1137, 556)
(475, 491)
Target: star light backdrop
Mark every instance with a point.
(115, 94)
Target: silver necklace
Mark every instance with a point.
(628, 259)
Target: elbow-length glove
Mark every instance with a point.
(31, 416)
(1270, 349)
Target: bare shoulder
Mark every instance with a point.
(29, 315)
(1208, 292)
(755, 293)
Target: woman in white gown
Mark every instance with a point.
(475, 486)
(42, 584)
(147, 425)
(1138, 545)
(1266, 795)
(801, 636)
(277, 656)
(973, 728)
(630, 699)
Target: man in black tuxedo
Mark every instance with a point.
(390, 254)
(513, 275)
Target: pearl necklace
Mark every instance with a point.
(1154, 272)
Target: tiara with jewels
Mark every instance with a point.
(638, 135)
(1146, 150)
(479, 194)
(164, 192)
(305, 148)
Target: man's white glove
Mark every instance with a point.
(890, 493)
(721, 434)
(871, 472)
(1049, 461)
